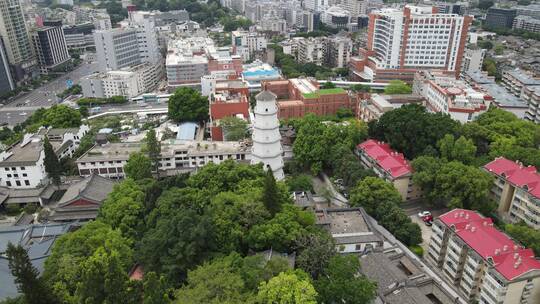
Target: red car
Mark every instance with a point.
(428, 219)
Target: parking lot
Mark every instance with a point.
(413, 208)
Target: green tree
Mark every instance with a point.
(214, 282)
(233, 215)
(526, 235)
(341, 282)
(490, 67)
(187, 104)
(177, 242)
(397, 87)
(138, 166)
(453, 184)
(287, 288)
(61, 116)
(155, 289)
(412, 130)
(371, 191)
(52, 164)
(103, 279)
(281, 232)
(233, 128)
(65, 265)
(300, 182)
(361, 88)
(153, 148)
(462, 149)
(270, 195)
(499, 49)
(32, 287)
(328, 85)
(124, 209)
(485, 4)
(315, 251)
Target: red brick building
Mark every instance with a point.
(230, 99)
(299, 96)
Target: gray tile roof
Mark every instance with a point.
(36, 239)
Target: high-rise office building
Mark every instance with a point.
(16, 39)
(6, 82)
(400, 42)
(50, 46)
(116, 49)
(500, 17)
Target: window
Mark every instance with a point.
(8, 183)
(18, 183)
(22, 168)
(7, 169)
(358, 247)
(26, 182)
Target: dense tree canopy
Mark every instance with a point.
(233, 128)
(526, 235)
(138, 166)
(187, 104)
(287, 288)
(412, 130)
(342, 283)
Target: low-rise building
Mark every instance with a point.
(128, 82)
(388, 165)
(189, 59)
(515, 190)
(501, 98)
(527, 23)
(350, 228)
(515, 80)
(485, 264)
(447, 95)
(246, 43)
(401, 279)
(531, 95)
(299, 96)
(256, 72)
(22, 165)
(229, 99)
(176, 156)
(376, 105)
(82, 199)
(473, 59)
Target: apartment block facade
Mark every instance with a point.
(116, 49)
(176, 156)
(51, 49)
(484, 264)
(515, 189)
(400, 42)
(445, 94)
(388, 165)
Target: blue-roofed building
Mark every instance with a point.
(258, 71)
(187, 131)
(37, 240)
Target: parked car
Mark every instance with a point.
(428, 220)
(424, 213)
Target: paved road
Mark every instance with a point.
(45, 96)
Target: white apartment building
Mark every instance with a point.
(473, 59)
(22, 165)
(102, 22)
(247, 43)
(354, 7)
(336, 17)
(446, 94)
(128, 82)
(514, 189)
(515, 80)
(527, 23)
(116, 49)
(176, 156)
(531, 95)
(484, 264)
(401, 41)
(338, 51)
(311, 50)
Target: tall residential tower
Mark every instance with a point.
(400, 42)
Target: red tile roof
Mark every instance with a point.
(516, 174)
(509, 258)
(388, 159)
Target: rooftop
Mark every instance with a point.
(508, 258)
(348, 225)
(321, 92)
(523, 77)
(391, 161)
(525, 177)
(25, 153)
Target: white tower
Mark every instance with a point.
(266, 138)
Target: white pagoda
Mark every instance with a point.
(267, 147)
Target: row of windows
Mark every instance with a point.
(18, 183)
(16, 175)
(14, 168)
